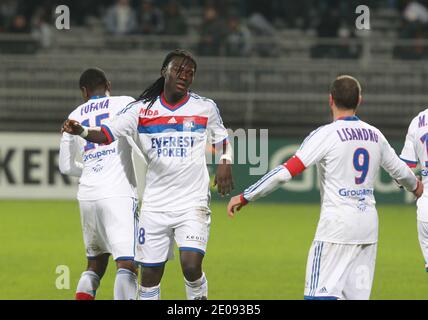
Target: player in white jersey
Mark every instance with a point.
(107, 190)
(348, 154)
(415, 151)
(173, 127)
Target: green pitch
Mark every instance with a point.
(260, 254)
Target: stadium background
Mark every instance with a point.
(268, 65)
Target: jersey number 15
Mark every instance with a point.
(98, 119)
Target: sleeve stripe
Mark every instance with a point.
(295, 166)
(411, 164)
(266, 177)
(107, 132)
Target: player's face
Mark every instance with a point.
(179, 75)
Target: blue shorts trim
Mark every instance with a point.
(96, 257)
(192, 249)
(124, 258)
(156, 264)
(91, 258)
(320, 298)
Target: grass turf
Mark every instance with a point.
(260, 254)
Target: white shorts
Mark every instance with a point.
(423, 240)
(109, 226)
(340, 271)
(157, 231)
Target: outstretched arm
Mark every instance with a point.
(267, 184)
(399, 171)
(94, 134)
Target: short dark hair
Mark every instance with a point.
(346, 92)
(93, 79)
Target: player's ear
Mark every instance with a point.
(108, 87)
(330, 100)
(84, 93)
(360, 100)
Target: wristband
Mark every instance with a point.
(226, 157)
(85, 132)
(243, 200)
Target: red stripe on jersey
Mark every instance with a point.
(84, 296)
(172, 120)
(411, 165)
(107, 134)
(295, 166)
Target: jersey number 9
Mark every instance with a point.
(361, 164)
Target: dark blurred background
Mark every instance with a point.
(268, 64)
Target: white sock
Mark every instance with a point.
(125, 285)
(197, 290)
(87, 286)
(152, 293)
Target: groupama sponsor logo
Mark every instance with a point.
(355, 192)
(98, 154)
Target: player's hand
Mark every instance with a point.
(72, 127)
(419, 189)
(235, 204)
(223, 179)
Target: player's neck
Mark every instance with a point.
(337, 114)
(98, 94)
(173, 98)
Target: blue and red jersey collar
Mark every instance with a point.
(97, 97)
(349, 118)
(174, 107)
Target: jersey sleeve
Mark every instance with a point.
(396, 168)
(122, 103)
(125, 123)
(67, 156)
(314, 147)
(267, 184)
(216, 131)
(408, 154)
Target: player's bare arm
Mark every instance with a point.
(419, 189)
(75, 128)
(224, 178)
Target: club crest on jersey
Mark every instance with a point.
(189, 124)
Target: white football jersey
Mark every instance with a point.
(415, 151)
(348, 154)
(173, 140)
(108, 170)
